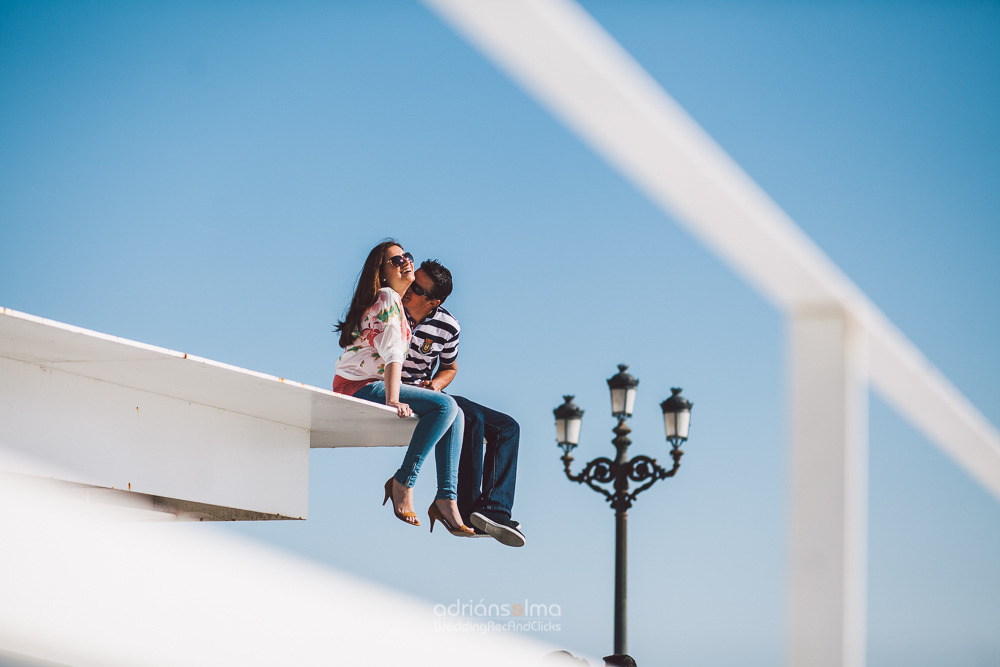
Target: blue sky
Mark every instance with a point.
(209, 177)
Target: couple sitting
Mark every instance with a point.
(395, 332)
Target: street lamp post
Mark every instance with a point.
(617, 473)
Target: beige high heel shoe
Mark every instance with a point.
(405, 517)
(434, 513)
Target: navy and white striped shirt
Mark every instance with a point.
(436, 337)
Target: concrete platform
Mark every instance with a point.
(92, 409)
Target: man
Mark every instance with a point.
(485, 478)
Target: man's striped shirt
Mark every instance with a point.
(436, 337)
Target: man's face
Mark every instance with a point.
(412, 300)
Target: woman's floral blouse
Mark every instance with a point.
(384, 339)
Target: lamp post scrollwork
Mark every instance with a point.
(611, 477)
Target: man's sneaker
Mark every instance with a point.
(480, 533)
(501, 528)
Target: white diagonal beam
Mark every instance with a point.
(575, 69)
(905, 378)
(566, 60)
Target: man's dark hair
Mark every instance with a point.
(441, 277)
(619, 660)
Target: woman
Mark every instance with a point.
(376, 336)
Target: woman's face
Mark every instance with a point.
(397, 273)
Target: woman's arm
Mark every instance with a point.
(393, 375)
(391, 343)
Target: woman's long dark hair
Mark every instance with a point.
(365, 292)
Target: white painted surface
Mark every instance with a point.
(904, 377)
(575, 69)
(94, 409)
(829, 483)
(333, 420)
(91, 432)
(83, 590)
(566, 60)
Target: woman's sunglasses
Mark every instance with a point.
(399, 260)
(420, 291)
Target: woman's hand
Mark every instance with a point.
(402, 408)
(392, 382)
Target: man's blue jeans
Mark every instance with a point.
(440, 423)
(486, 479)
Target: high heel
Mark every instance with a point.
(405, 517)
(434, 513)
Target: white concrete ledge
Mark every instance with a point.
(93, 409)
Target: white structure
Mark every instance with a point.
(165, 431)
(159, 435)
(840, 342)
(82, 590)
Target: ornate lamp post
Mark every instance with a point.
(617, 473)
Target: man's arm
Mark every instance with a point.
(445, 374)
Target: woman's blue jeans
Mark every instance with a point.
(441, 422)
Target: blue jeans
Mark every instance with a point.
(441, 423)
(486, 479)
